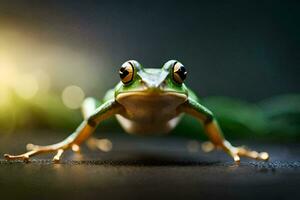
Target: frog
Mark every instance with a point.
(146, 101)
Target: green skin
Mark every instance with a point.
(152, 101)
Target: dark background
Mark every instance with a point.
(243, 49)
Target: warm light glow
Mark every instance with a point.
(7, 72)
(4, 96)
(72, 96)
(26, 86)
(75, 148)
(207, 146)
(48, 59)
(104, 145)
(7, 77)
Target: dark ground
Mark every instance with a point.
(149, 168)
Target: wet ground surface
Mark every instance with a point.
(149, 168)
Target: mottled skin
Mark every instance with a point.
(146, 101)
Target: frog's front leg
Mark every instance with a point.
(88, 107)
(215, 134)
(85, 129)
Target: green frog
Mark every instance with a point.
(146, 101)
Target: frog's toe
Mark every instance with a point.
(236, 159)
(264, 156)
(24, 157)
(234, 154)
(36, 149)
(56, 158)
(243, 151)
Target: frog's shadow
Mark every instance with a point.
(147, 159)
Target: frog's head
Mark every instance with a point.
(138, 80)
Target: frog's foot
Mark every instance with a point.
(236, 152)
(35, 150)
(104, 145)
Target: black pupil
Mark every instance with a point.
(123, 72)
(182, 72)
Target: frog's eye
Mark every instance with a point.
(179, 73)
(126, 72)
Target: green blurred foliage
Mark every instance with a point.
(277, 118)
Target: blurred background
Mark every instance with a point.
(243, 60)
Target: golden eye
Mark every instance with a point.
(179, 73)
(126, 72)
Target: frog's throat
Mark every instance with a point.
(151, 95)
(150, 112)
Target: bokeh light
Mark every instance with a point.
(104, 145)
(73, 96)
(26, 86)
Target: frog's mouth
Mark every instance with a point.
(152, 96)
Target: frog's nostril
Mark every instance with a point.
(153, 84)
